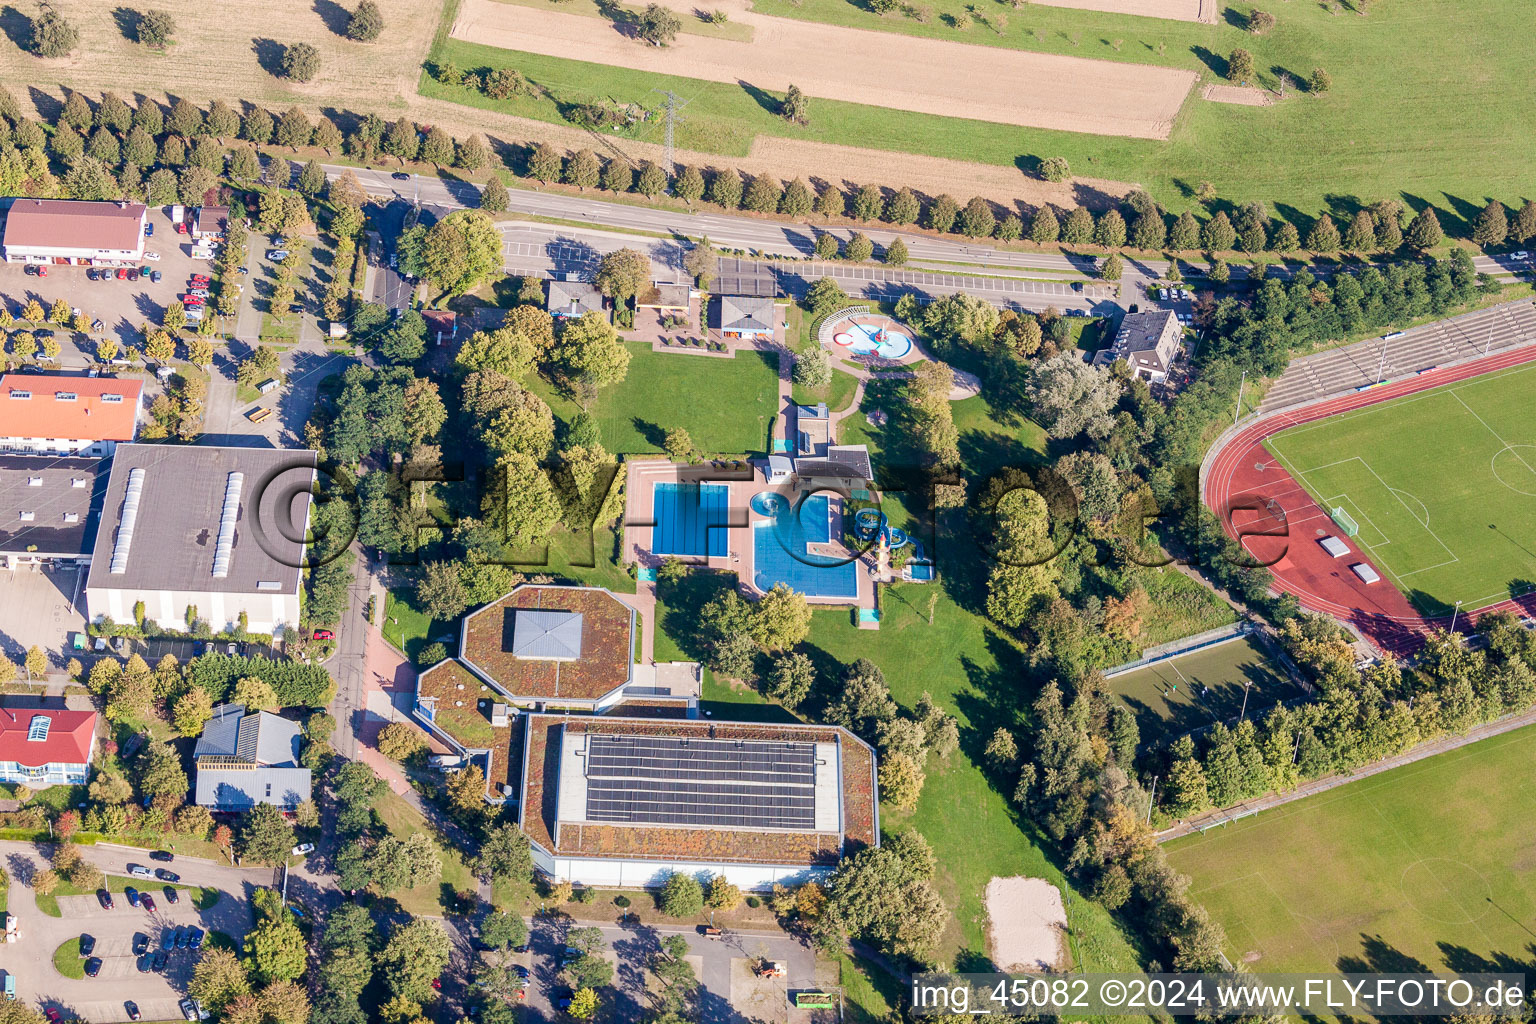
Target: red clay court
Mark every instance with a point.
(1264, 508)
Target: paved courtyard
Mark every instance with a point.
(36, 608)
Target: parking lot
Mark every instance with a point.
(116, 931)
(35, 608)
(122, 306)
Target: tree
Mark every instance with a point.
(1524, 227)
(521, 503)
(724, 188)
(903, 208)
(863, 700)
(494, 198)
(1360, 236)
(275, 949)
(218, 979)
(327, 136)
(681, 895)
(658, 25)
(437, 147)
(473, 153)
(583, 1004)
(679, 445)
(1240, 66)
(795, 109)
(506, 856)
(52, 36)
(622, 273)
(942, 212)
(1070, 397)
(1079, 227)
(256, 694)
(461, 250)
(301, 62)
(399, 741)
(589, 353)
(860, 249)
(901, 780)
(366, 22)
(502, 929)
(1320, 82)
(895, 254)
(1110, 230)
(762, 194)
(1218, 234)
(977, 219)
(156, 28)
(781, 619)
(1260, 22)
(826, 247)
(415, 955)
(1492, 225)
(1113, 267)
(1055, 169)
(583, 170)
(1287, 239)
(265, 836)
(1424, 232)
(160, 772)
(1149, 231)
(1324, 236)
(466, 789)
(619, 176)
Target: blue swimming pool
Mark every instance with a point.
(690, 520)
(780, 556)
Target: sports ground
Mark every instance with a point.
(1442, 485)
(1193, 690)
(1423, 861)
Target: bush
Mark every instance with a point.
(294, 684)
(621, 902)
(754, 902)
(301, 62)
(682, 896)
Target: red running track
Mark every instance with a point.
(1246, 484)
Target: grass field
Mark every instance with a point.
(1383, 869)
(1440, 484)
(430, 897)
(1401, 119)
(1170, 698)
(725, 405)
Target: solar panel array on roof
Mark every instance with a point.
(688, 781)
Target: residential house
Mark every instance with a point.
(43, 747)
(55, 414)
(1148, 342)
(248, 758)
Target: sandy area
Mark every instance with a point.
(218, 59)
(1026, 924)
(1238, 94)
(758, 999)
(1178, 10)
(983, 83)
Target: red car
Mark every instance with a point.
(191, 300)
(122, 273)
(200, 279)
(148, 902)
(324, 634)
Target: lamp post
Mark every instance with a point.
(1454, 613)
(1247, 685)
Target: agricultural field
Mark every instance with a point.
(1194, 690)
(1400, 119)
(1379, 875)
(1440, 484)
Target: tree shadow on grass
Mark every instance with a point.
(128, 21)
(16, 26)
(335, 16)
(764, 99)
(269, 54)
(1211, 59)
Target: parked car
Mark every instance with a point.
(1521, 256)
(303, 849)
(201, 293)
(140, 871)
(140, 943)
(145, 964)
(90, 275)
(93, 967)
(167, 875)
(87, 944)
(197, 652)
(50, 1012)
(133, 275)
(122, 273)
(132, 1008)
(155, 276)
(188, 1009)
(29, 270)
(183, 937)
(168, 939)
(132, 894)
(151, 255)
(199, 279)
(104, 898)
(171, 895)
(277, 254)
(230, 650)
(160, 960)
(149, 903)
(42, 271)
(196, 940)
(521, 969)
(149, 229)
(323, 634)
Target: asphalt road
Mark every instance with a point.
(775, 237)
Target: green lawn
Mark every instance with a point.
(725, 405)
(66, 960)
(408, 627)
(1179, 606)
(1439, 483)
(1441, 124)
(1429, 863)
(837, 394)
(1169, 698)
(428, 898)
(871, 993)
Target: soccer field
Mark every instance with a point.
(1442, 485)
(1193, 690)
(1421, 861)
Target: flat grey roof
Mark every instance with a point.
(180, 509)
(64, 503)
(242, 788)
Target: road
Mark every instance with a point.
(776, 237)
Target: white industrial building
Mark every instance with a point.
(70, 231)
(56, 414)
(626, 802)
(217, 530)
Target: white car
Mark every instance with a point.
(277, 254)
(303, 849)
(1521, 256)
(152, 256)
(201, 293)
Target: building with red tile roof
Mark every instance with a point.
(55, 414)
(75, 232)
(42, 747)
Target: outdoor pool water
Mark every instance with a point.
(767, 503)
(690, 519)
(780, 553)
(864, 338)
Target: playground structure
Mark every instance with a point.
(871, 525)
(858, 332)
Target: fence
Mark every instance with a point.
(1184, 645)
